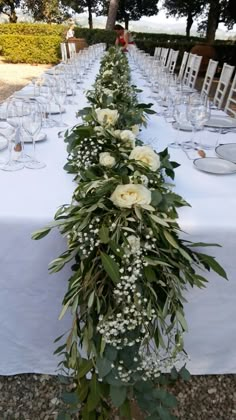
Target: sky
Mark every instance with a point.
(158, 23)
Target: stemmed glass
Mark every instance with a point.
(180, 118)
(60, 93)
(198, 113)
(32, 123)
(13, 134)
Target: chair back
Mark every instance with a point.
(223, 84)
(230, 106)
(163, 56)
(157, 52)
(63, 51)
(192, 69)
(173, 61)
(71, 49)
(183, 65)
(209, 76)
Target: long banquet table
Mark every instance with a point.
(30, 298)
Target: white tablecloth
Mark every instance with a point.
(30, 298)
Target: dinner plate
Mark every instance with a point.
(221, 121)
(214, 165)
(183, 127)
(54, 109)
(40, 137)
(3, 143)
(227, 151)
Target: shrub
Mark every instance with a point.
(31, 48)
(32, 29)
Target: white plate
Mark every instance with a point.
(40, 137)
(25, 94)
(54, 109)
(227, 151)
(183, 127)
(3, 143)
(221, 122)
(214, 165)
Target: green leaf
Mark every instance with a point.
(111, 352)
(91, 299)
(111, 267)
(70, 398)
(104, 234)
(159, 220)
(182, 320)
(103, 366)
(164, 413)
(118, 395)
(150, 274)
(214, 265)
(94, 395)
(84, 368)
(170, 239)
(156, 197)
(39, 234)
(125, 410)
(184, 373)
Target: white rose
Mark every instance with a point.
(106, 116)
(134, 243)
(128, 137)
(146, 155)
(99, 130)
(135, 129)
(129, 195)
(116, 133)
(105, 159)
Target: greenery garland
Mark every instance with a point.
(130, 267)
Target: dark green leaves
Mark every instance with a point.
(104, 234)
(111, 267)
(103, 366)
(118, 395)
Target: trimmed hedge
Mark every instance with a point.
(40, 42)
(32, 29)
(31, 48)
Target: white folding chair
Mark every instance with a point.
(230, 106)
(163, 56)
(63, 51)
(173, 61)
(223, 84)
(71, 49)
(169, 58)
(157, 53)
(192, 69)
(209, 76)
(183, 65)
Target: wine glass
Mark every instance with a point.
(32, 123)
(198, 113)
(60, 93)
(14, 142)
(180, 118)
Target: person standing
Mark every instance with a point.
(70, 33)
(123, 37)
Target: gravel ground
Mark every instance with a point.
(35, 397)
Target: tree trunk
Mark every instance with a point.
(112, 12)
(126, 21)
(90, 16)
(213, 21)
(189, 24)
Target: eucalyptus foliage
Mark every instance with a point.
(130, 266)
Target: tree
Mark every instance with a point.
(132, 10)
(43, 10)
(218, 11)
(112, 13)
(185, 8)
(80, 5)
(8, 8)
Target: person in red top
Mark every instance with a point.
(123, 37)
